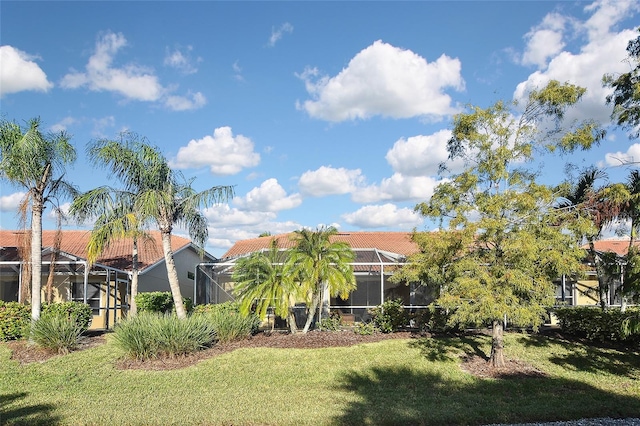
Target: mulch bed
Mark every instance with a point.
(25, 353)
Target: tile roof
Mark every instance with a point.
(618, 246)
(394, 242)
(117, 255)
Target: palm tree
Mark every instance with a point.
(36, 162)
(168, 199)
(113, 209)
(262, 281)
(322, 265)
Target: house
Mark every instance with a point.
(105, 285)
(378, 255)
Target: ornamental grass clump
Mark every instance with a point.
(57, 333)
(151, 335)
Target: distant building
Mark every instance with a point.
(105, 286)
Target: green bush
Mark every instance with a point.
(56, 332)
(227, 321)
(433, 319)
(596, 324)
(78, 312)
(14, 320)
(365, 328)
(160, 302)
(148, 335)
(390, 316)
(333, 323)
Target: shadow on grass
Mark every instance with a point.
(33, 415)
(395, 396)
(446, 348)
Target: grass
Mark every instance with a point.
(414, 381)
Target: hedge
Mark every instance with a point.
(596, 324)
(160, 302)
(79, 312)
(14, 320)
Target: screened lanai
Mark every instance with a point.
(372, 268)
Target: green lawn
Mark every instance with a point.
(415, 381)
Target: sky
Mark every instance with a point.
(318, 113)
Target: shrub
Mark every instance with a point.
(596, 324)
(160, 302)
(332, 323)
(365, 329)
(390, 316)
(78, 312)
(433, 319)
(56, 332)
(228, 323)
(148, 335)
(14, 320)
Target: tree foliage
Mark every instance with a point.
(501, 241)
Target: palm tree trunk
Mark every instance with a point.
(133, 309)
(172, 275)
(497, 345)
(315, 300)
(36, 258)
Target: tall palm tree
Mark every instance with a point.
(36, 162)
(262, 281)
(322, 265)
(114, 209)
(168, 199)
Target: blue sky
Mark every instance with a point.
(330, 113)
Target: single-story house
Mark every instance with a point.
(378, 255)
(105, 285)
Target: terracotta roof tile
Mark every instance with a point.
(117, 255)
(394, 242)
(618, 246)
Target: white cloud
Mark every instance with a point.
(620, 158)
(604, 52)
(397, 188)
(223, 153)
(181, 60)
(421, 155)
(276, 34)
(19, 72)
(384, 80)
(224, 216)
(268, 197)
(132, 81)
(63, 124)
(11, 202)
(329, 181)
(184, 103)
(545, 40)
(386, 215)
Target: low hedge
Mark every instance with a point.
(14, 320)
(159, 302)
(79, 312)
(596, 324)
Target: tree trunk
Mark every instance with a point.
(172, 275)
(291, 316)
(497, 345)
(36, 257)
(133, 310)
(315, 300)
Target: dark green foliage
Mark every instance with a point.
(160, 302)
(390, 316)
(78, 312)
(596, 324)
(434, 319)
(333, 323)
(14, 320)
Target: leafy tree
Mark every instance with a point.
(113, 209)
(321, 265)
(36, 162)
(168, 199)
(505, 242)
(626, 92)
(263, 280)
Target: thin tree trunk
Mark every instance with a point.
(599, 274)
(497, 345)
(36, 258)
(172, 275)
(291, 316)
(133, 309)
(315, 300)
